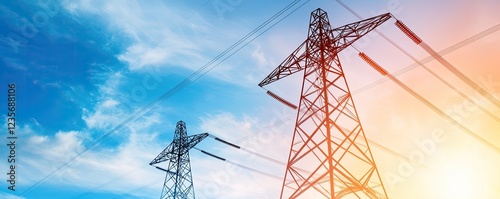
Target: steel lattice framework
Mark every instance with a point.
(329, 155)
(178, 180)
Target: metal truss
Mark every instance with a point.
(329, 155)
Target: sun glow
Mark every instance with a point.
(460, 183)
(466, 175)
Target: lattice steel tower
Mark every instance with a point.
(178, 180)
(329, 155)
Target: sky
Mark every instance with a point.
(100, 86)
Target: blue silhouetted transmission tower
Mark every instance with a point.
(178, 180)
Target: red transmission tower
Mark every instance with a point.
(329, 155)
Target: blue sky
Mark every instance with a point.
(86, 66)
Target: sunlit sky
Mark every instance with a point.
(86, 66)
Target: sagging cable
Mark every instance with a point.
(439, 111)
(254, 170)
(447, 64)
(462, 76)
(438, 57)
(239, 165)
(247, 150)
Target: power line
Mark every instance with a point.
(237, 164)
(438, 57)
(445, 51)
(426, 102)
(247, 150)
(385, 149)
(188, 80)
(445, 63)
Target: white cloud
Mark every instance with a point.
(124, 169)
(106, 112)
(265, 136)
(15, 64)
(110, 103)
(10, 196)
(159, 34)
(258, 55)
(103, 118)
(117, 170)
(226, 125)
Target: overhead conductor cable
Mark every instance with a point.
(445, 63)
(426, 102)
(188, 80)
(422, 62)
(418, 41)
(248, 151)
(236, 164)
(274, 160)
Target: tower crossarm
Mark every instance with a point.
(194, 140)
(292, 64)
(346, 35)
(343, 37)
(172, 149)
(164, 155)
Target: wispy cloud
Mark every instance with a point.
(124, 170)
(116, 170)
(162, 35)
(266, 136)
(12, 63)
(158, 33)
(105, 113)
(10, 196)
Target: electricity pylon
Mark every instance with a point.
(178, 180)
(329, 155)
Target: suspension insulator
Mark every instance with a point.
(163, 169)
(289, 104)
(212, 155)
(228, 143)
(373, 64)
(408, 32)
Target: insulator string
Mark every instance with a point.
(445, 63)
(280, 99)
(435, 108)
(417, 40)
(408, 32)
(438, 57)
